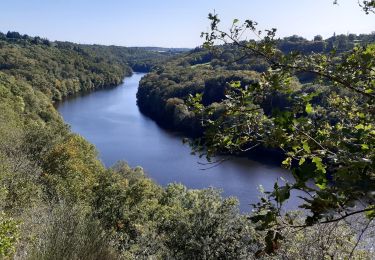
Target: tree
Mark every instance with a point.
(14, 35)
(368, 6)
(318, 38)
(326, 133)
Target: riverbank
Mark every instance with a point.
(111, 120)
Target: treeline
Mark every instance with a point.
(339, 43)
(232, 57)
(140, 59)
(60, 69)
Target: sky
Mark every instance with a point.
(175, 23)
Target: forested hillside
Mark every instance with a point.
(60, 69)
(163, 93)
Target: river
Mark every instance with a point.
(110, 119)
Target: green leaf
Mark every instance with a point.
(306, 147)
(309, 109)
(319, 165)
(359, 127)
(322, 185)
(301, 161)
(287, 162)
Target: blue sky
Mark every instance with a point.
(174, 23)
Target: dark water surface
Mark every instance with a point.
(110, 119)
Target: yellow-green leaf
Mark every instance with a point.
(309, 109)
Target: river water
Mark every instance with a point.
(110, 119)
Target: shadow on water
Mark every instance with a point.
(110, 119)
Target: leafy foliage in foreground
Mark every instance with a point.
(326, 133)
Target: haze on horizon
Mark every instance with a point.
(170, 23)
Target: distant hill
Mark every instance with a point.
(163, 93)
(163, 49)
(60, 68)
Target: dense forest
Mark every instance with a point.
(163, 93)
(60, 69)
